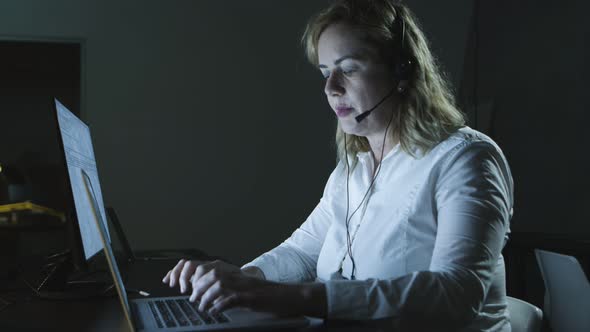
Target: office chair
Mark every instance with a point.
(524, 317)
(567, 292)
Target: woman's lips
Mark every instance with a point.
(343, 111)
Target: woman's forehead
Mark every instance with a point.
(342, 39)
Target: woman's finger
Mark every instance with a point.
(203, 283)
(186, 273)
(210, 295)
(200, 270)
(203, 268)
(167, 277)
(176, 272)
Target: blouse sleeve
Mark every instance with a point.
(296, 258)
(473, 193)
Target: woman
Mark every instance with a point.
(414, 217)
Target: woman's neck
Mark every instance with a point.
(378, 149)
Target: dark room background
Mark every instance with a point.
(211, 131)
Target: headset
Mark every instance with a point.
(402, 73)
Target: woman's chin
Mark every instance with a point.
(350, 129)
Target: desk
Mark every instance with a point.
(97, 314)
(105, 314)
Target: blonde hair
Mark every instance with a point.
(427, 114)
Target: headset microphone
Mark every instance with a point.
(365, 114)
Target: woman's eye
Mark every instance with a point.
(348, 71)
(345, 71)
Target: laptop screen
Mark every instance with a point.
(79, 155)
(83, 175)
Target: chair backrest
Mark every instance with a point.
(567, 292)
(524, 317)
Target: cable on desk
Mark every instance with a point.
(21, 276)
(57, 295)
(35, 283)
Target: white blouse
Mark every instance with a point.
(426, 242)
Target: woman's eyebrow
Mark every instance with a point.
(354, 56)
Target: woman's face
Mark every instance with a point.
(356, 79)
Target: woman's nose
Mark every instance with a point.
(333, 85)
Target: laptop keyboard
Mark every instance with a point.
(176, 311)
(155, 314)
(192, 315)
(181, 312)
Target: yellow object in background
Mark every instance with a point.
(16, 213)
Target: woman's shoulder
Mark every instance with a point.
(465, 140)
(467, 134)
(469, 150)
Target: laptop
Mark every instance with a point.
(174, 313)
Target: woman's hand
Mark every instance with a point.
(185, 271)
(220, 286)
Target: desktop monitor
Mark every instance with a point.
(78, 153)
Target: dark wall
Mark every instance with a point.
(532, 69)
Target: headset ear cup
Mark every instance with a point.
(403, 70)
